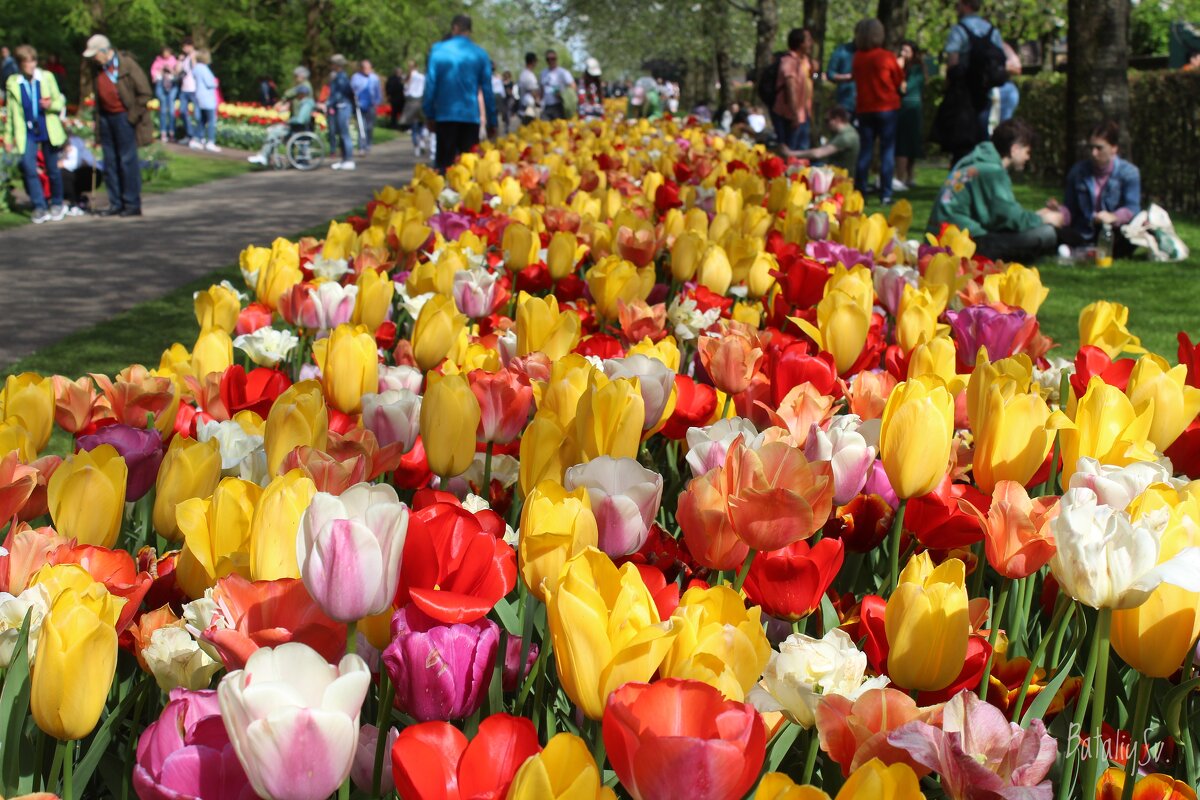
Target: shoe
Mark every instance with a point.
(899, 185)
(40, 215)
(57, 212)
(163, 138)
(257, 159)
(348, 165)
(336, 165)
(111, 211)
(212, 147)
(195, 145)
(76, 211)
(131, 212)
(887, 201)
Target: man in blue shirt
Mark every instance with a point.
(958, 55)
(841, 62)
(339, 108)
(369, 94)
(459, 73)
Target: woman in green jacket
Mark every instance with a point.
(34, 103)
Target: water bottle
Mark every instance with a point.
(1104, 247)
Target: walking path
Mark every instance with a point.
(60, 277)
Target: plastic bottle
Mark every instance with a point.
(1104, 247)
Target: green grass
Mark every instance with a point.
(1162, 298)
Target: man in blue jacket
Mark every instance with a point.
(459, 72)
(339, 110)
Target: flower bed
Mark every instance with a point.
(622, 458)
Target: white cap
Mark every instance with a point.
(96, 44)
(593, 68)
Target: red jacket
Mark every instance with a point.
(878, 77)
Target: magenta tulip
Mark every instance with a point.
(140, 447)
(977, 326)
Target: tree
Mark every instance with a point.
(1097, 68)
(894, 16)
(815, 15)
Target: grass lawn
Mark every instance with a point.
(1162, 298)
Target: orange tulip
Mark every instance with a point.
(855, 731)
(1150, 787)
(17, 482)
(731, 357)
(1016, 530)
(774, 496)
(74, 402)
(709, 536)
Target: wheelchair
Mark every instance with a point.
(304, 149)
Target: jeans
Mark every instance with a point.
(206, 128)
(1010, 95)
(166, 108)
(368, 132)
(881, 125)
(1023, 246)
(339, 132)
(189, 122)
(454, 138)
(33, 183)
(791, 135)
(122, 172)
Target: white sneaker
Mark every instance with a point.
(40, 216)
(57, 213)
(75, 211)
(336, 165)
(195, 144)
(899, 185)
(212, 147)
(348, 165)
(257, 159)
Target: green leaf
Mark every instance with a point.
(508, 617)
(782, 744)
(1173, 704)
(829, 617)
(14, 708)
(1038, 707)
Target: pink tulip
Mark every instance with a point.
(625, 497)
(707, 446)
(401, 377)
(474, 292)
(847, 452)
(362, 771)
(393, 416)
(890, 283)
(293, 719)
(656, 382)
(349, 547)
(504, 403)
(335, 304)
(816, 225)
(820, 180)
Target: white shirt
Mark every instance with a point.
(553, 82)
(497, 85)
(415, 85)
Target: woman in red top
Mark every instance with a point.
(879, 79)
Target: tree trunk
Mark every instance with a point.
(894, 16)
(815, 14)
(717, 32)
(766, 29)
(1097, 69)
(315, 50)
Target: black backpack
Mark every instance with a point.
(986, 63)
(768, 83)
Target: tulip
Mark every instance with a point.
(1154, 786)
(216, 535)
(842, 327)
(541, 454)
(605, 629)
(348, 550)
(564, 770)
(789, 583)
(686, 254)
(624, 499)
(374, 304)
(504, 403)
(28, 398)
(17, 483)
(1016, 530)
(714, 271)
(438, 327)
(400, 377)
(86, 496)
(707, 531)
(299, 417)
(520, 246)
(847, 452)
(614, 278)
(394, 416)
(1175, 403)
(927, 624)
(731, 357)
(450, 415)
(288, 713)
(708, 446)
(334, 306)
(1106, 427)
(434, 761)
(916, 436)
(349, 362)
(141, 449)
(876, 781)
(1011, 439)
(718, 641)
(556, 526)
(441, 672)
(542, 327)
(774, 495)
(678, 738)
(609, 419)
(74, 402)
(917, 320)
(1118, 487)
(175, 660)
(1017, 286)
(362, 771)
(562, 254)
(656, 382)
(983, 326)
(275, 524)
(213, 352)
(474, 292)
(1102, 324)
(217, 307)
(267, 346)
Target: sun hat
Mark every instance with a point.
(593, 68)
(96, 44)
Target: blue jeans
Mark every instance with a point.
(33, 184)
(206, 128)
(873, 125)
(122, 172)
(1010, 95)
(339, 131)
(795, 137)
(189, 123)
(166, 108)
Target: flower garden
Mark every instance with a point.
(623, 460)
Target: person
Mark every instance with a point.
(839, 72)
(962, 119)
(556, 83)
(1010, 95)
(394, 89)
(187, 88)
(33, 127)
(54, 65)
(79, 173)
(1102, 189)
(8, 65)
(459, 70)
(163, 75)
(529, 91)
(978, 197)
(792, 108)
(339, 109)
(841, 150)
(878, 81)
(910, 126)
(123, 123)
(368, 94)
(299, 101)
(268, 93)
(205, 134)
(510, 100)
(498, 93)
(414, 94)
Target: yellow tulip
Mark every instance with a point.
(747, 313)
(615, 279)
(252, 261)
(856, 282)
(875, 780)
(943, 277)
(542, 327)
(696, 220)
(339, 241)
(718, 641)
(189, 469)
(729, 202)
(841, 329)
(916, 321)
(217, 306)
(13, 436)
(1011, 439)
(280, 273)
(719, 228)
(544, 455)
(1155, 384)
(1103, 324)
(86, 495)
(520, 246)
(958, 240)
(413, 235)
(449, 418)
(349, 362)
(937, 357)
(213, 352)
(562, 255)
(374, 300)
(665, 350)
(216, 535)
(760, 280)
(437, 328)
(927, 624)
(436, 276)
(1014, 375)
(28, 400)
(298, 417)
(715, 272)
(916, 435)
(1106, 427)
(778, 786)
(605, 630)
(556, 526)
(564, 770)
(274, 526)
(609, 419)
(901, 217)
(1018, 286)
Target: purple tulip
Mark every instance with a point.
(878, 483)
(984, 326)
(441, 672)
(835, 253)
(140, 447)
(187, 753)
(450, 224)
(817, 225)
(512, 657)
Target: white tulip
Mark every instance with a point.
(13, 609)
(625, 497)
(267, 346)
(175, 659)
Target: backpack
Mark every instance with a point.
(768, 83)
(986, 63)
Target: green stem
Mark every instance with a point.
(725, 406)
(1137, 731)
(996, 616)
(344, 790)
(351, 638)
(810, 758)
(744, 571)
(598, 751)
(1099, 696)
(68, 769)
(1189, 740)
(485, 491)
(1081, 703)
(382, 725)
(1062, 613)
(897, 531)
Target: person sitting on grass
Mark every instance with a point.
(842, 148)
(1102, 189)
(978, 197)
(299, 100)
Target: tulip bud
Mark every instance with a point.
(217, 307)
(216, 535)
(28, 399)
(520, 246)
(561, 254)
(374, 305)
(299, 417)
(609, 419)
(928, 624)
(617, 279)
(438, 327)
(450, 415)
(916, 435)
(349, 362)
(275, 524)
(394, 416)
(86, 495)
(556, 525)
(1175, 403)
(474, 292)
(541, 327)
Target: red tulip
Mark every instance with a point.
(637, 246)
(254, 391)
(454, 569)
(666, 197)
(504, 403)
(676, 738)
(600, 345)
(802, 279)
(1189, 355)
(1184, 452)
(792, 364)
(790, 583)
(1091, 362)
(937, 520)
(695, 404)
(862, 523)
(253, 317)
(434, 760)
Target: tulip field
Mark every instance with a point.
(622, 460)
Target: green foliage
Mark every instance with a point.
(1150, 23)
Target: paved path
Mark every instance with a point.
(60, 277)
